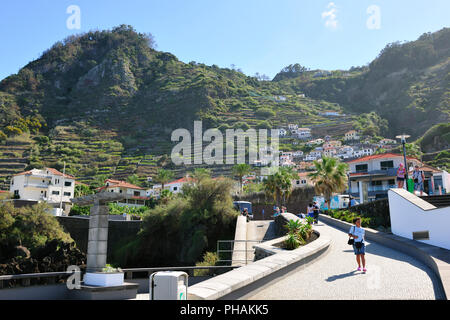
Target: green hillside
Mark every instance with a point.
(106, 102)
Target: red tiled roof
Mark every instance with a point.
(380, 156)
(57, 173)
(117, 183)
(182, 180)
(53, 171)
(22, 173)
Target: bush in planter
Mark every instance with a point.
(292, 242)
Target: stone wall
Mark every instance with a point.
(297, 202)
(118, 232)
(377, 210)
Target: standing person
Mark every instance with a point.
(277, 212)
(419, 178)
(359, 248)
(310, 210)
(401, 171)
(283, 209)
(316, 210)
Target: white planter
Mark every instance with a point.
(104, 279)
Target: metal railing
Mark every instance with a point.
(26, 277)
(189, 270)
(232, 250)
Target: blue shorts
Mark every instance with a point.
(361, 250)
(418, 186)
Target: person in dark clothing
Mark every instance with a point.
(316, 210)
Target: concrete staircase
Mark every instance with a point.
(439, 201)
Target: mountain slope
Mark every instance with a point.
(99, 99)
(407, 84)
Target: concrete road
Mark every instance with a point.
(390, 275)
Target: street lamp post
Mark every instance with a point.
(403, 138)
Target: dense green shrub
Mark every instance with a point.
(31, 227)
(180, 231)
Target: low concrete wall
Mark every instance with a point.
(240, 282)
(437, 259)
(239, 256)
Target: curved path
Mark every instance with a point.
(390, 275)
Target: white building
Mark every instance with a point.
(173, 186)
(303, 133)
(329, 113)
(292, 126)
(282, 132)
(351, 135)
(135, 196)
(44, 185)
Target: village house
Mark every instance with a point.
(329, 113)
(386, 141)
(315, 142)
(303, 133)
(302, 181)
(351, 135)
(135, 196)
(292, 126)
(44, 185)
(371, 177)
(175, 186)
(282, 132)
(332, 144)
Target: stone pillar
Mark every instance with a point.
(98, 237)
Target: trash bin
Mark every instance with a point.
(168, 285)
(410, 185)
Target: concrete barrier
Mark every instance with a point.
(437, 259)
(279, 263)
(240, 236)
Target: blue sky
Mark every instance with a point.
(255, 35)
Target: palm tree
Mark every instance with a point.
(163, 176)
(200, 174)
(279, 185)
(330, 177)
(133, 179)
(241, 170)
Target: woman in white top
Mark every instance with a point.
(357, 233)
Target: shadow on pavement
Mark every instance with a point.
(341, 276)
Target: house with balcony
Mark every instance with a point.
(351, 135)
(371, 177)
(135, 195)
(303, 133)
(44, 185)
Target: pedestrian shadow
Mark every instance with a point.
(341, 276)
(347, 250)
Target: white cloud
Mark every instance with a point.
(330, 16)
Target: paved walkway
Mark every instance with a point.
(390, 275)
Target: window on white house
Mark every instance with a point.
(55, 192)
(67, 183)
(361, 167)
(68, 194)
(386, 165)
